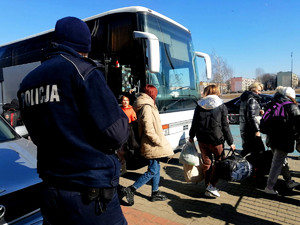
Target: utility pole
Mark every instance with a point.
(292, 69)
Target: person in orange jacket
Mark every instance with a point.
(128, 109)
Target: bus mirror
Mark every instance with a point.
(153, 50)
(207, 63)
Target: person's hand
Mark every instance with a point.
(262, 112)
(233, 147)
(257, 134)
(120, 153)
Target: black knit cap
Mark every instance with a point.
(74, 33)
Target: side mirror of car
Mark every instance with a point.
(22, 131)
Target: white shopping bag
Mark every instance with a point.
(189, 154)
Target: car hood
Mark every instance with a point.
(17, 166)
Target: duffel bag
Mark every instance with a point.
(233, 167)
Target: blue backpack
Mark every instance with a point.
(274, 118)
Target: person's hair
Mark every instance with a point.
(122, 98)
(211, 90)
(292, 99)
(151, 90)
(255, 85)
(280, 89)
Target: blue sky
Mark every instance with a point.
(247, 34)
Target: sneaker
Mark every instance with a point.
(291, 184)
(208, 194)
(213, 190)
(270, 191)
(129, 194)
(158, 196)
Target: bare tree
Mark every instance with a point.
(268, 80)
(221, 72)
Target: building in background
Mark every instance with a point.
(240, 84)
(287, 79)
(223, 86)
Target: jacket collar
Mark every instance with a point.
(57, 49)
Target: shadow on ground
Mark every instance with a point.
(192, 208)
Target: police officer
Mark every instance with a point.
(75, 121)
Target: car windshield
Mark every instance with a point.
(298, 98)
(6, 132)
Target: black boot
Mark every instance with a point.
(158, 196)
(129, 193)
(120, 191)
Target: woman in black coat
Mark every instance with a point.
(250, 111)
(210, 126)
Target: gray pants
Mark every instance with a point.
(279, 166)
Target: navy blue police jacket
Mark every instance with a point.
(74, 119)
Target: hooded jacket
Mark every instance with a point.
(284, 139)
(249, 110)
(130, 113)
(210, 124)
(74, 119)
(153, 142)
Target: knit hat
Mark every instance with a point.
(151, 91)
(290, 92)
(74, 33)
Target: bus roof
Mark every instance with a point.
(136, 9)
(114, 11)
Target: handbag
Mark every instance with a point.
(189, 154)
(193, 174)
(233, 167)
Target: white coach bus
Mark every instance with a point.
(136, 46)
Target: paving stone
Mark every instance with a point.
(240, 202)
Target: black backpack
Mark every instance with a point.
(134, 141)
(12, 114)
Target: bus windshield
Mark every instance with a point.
(177, 80)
